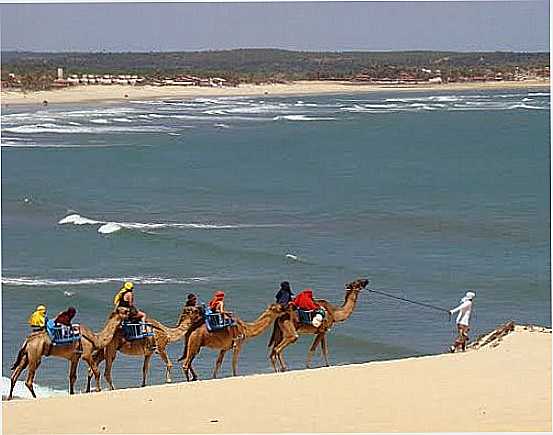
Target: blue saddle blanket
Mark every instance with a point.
(216, 321)
(137, 330)
(61, 334)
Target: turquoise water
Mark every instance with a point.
(424, 194)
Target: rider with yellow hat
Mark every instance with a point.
(37, 320)
(125, 298)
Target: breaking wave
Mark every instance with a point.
(63, 129)
(106, 227)
(50, 282)
(172, 115)
(20, 390)
(302, 118)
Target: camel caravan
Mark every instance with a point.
(130, 331)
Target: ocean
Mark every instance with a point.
(425, 194)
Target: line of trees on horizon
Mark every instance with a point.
(265, 65)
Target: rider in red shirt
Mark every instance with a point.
(304, 300)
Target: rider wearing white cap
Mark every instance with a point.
(463, 318)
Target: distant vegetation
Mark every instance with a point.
(262, 65)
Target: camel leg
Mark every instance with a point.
(288, 340)
(92, 371)
(94, 362)
(168, 364)
(107, 371)
(312, 350)
(145, 368)
(235, 354)
(191, 351)
(17, 371)
(273, 358)
(219, 362)
(184, 348)
(33, 367)
(324, 348)
(281, 362)
(73, 364)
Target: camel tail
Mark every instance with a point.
(20, 355)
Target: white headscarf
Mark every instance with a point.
(468, 296)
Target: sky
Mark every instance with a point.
(309, 26)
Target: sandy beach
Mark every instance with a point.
(117, 93)
(504, 386)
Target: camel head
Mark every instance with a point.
(122, 313)
(357, 285)
(276, 310)
(193, 313)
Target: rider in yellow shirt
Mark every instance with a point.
(37, 320)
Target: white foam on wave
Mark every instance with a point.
(527, 106)
(51, 282)
(20, 390)
(42, 145)
(302, 118)
(77, 219)
(64, 129)
(110, 227)
(99, 121)
(106, 227)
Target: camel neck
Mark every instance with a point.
(176, 333)
(106, 334)
(344, 312)
(259, 325)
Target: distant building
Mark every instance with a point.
(60, 73)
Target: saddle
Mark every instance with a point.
(135, 330)
(215, 321)
(306, 317)
(62, 335)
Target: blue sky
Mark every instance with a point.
(312, 26)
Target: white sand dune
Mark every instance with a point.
(501, 387)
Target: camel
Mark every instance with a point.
(39, 344)
(287, 328)
(146, 347)
(224, 340)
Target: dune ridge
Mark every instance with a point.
(504, 387)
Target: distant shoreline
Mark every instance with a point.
(120, 93)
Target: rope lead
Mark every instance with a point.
(411, 301)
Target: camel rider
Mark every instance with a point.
(191, 300)
(463, 318)
(125, 298)
(284, 295)
(64, 319)
(217, 304)
(37, 320)
(304, 301)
